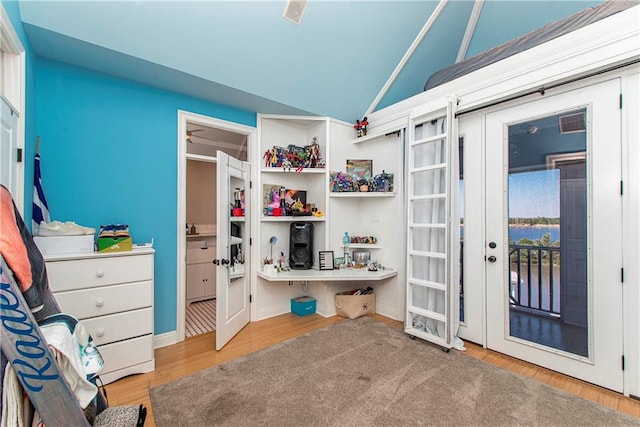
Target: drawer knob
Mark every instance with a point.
(100, 302)
(100, 332)
(100, 273)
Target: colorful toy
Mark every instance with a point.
(294, 157)
(313, 151)
(361, 127)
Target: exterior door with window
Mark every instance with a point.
(553, 238)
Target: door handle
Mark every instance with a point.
(491, 259)
(492, 245)
(216, 261)
(224, 261)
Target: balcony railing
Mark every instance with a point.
(538, 266)
(535, 278)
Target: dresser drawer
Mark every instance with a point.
(126, 353)
(74, 274)
(106, 300)
(121, 326)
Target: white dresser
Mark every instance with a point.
(112, 295)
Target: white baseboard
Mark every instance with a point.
(273, 311)
(163, 340)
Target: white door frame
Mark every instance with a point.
(471, 130)
(185, 117)
(13, 92)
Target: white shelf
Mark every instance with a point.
(237, 219)
(340, 275)
(373, 136)
(292, 218)
(362, 194)
(293, 170)
(361, 246)
(237, 271)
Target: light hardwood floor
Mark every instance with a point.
(197, 353)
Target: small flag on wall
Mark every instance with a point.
(40, 207)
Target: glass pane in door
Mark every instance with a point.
(547, 226)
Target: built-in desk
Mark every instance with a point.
(324, 284)
(341, 275)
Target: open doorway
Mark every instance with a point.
(201, 139)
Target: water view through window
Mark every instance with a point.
(547, 229)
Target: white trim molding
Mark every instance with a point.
(185, 117)
(13, 91)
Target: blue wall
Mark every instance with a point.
(109, 155)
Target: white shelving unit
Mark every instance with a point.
(358, 213)
(373, 213)
(285, 131)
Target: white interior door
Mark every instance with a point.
(555, 298)
(432, 227)
(232, 280)
(8, 147)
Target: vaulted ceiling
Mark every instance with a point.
(244, 54)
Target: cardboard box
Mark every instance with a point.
(303, 306)
(55, 245)
(115, 244)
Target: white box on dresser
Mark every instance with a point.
(112, 295)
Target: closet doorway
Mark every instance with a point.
(199, 140)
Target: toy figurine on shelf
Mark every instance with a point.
(361, 127)
(314, 153)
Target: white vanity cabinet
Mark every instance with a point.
(201, 272)
(112, 295)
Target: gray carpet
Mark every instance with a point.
(360, 373)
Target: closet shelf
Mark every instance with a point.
(199, 235)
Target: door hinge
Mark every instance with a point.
(19, 155)
(621, 101)
(250, 184)
(621, 188)
(623, 362)
(250, 298)
(250, 241)
(622, 274)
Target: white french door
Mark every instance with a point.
(232, 246)
(432, 226)
(553, 167)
